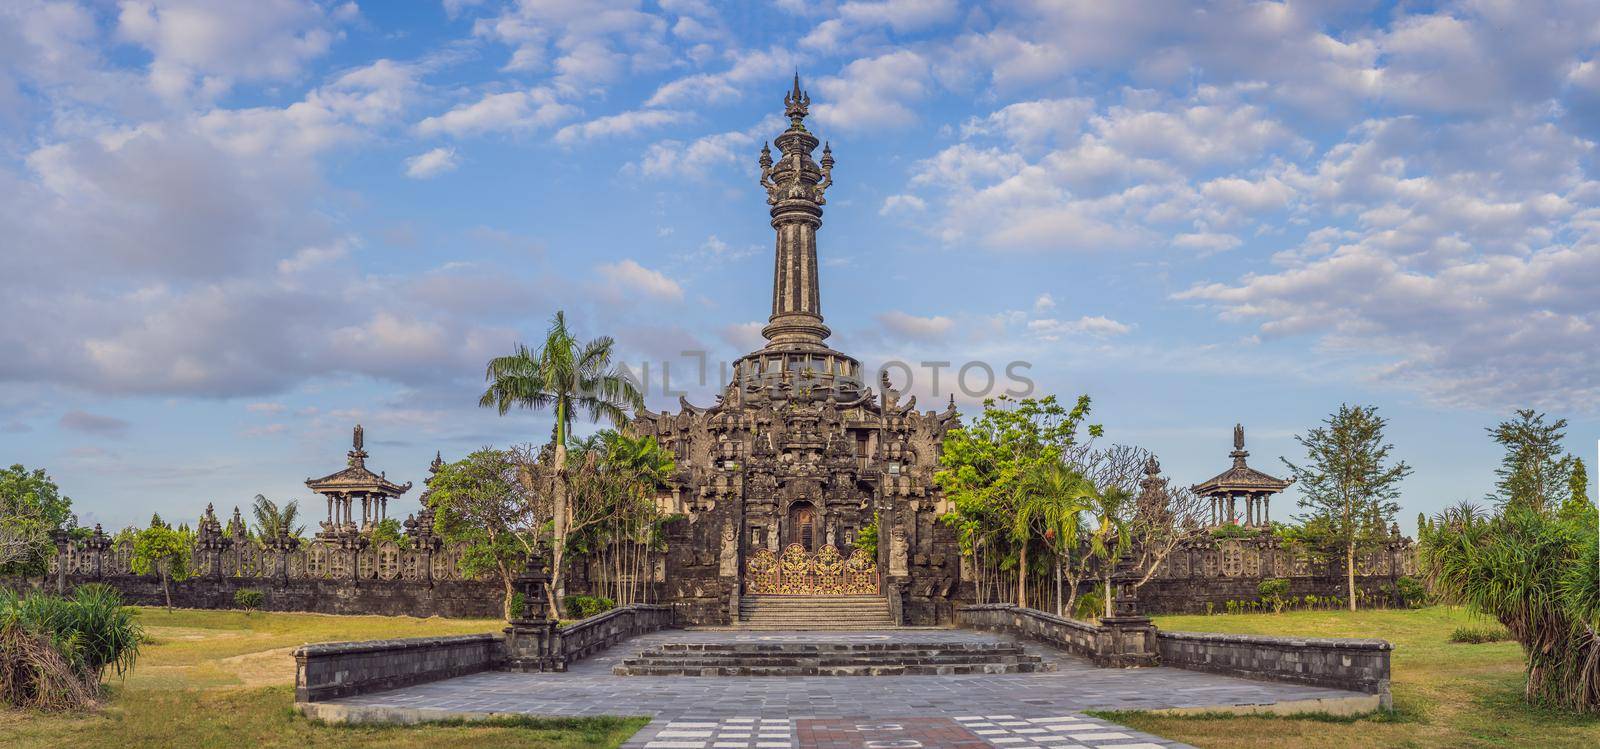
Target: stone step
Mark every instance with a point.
(834, 647)
(822, 662)
(879, 670)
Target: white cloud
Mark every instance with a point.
(586, 43)
(431, 163)
(204, 46)
(629, 276)
(875, 92)
(911, 326)
(311, 257)
(699, 157)
(532, 109)
(747, 67)
(621, 124)
(902, 204)
(1051, 329)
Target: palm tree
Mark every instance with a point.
(643, 469)
(567, 377)
(1108, 507)
(270, 519)
(1053, 498)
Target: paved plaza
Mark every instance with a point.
(1012, 711)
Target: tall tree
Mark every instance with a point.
(1053, 499)
(481, 501)
(986, 467)
(1577, 503)
(272, 519)
(1534, 472)
(567, 377)
(31, 507)
(643, 469)
(1347, 483)
(163, 551)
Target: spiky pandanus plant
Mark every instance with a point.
(1535, 573)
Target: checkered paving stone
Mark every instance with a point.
(717, 733)
(1059, 732)
(962, 732)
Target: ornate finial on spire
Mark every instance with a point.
(796, 105)
(1238, 453)
(766, 158)
(1152, 467)
(358, 455)
(438, 462)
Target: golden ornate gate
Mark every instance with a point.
(800, 573)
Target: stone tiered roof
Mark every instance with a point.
(356, 477)
(1241, 477)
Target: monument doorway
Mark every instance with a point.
(802, 526)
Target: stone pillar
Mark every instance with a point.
(532, 643)
(1266, 509)
(1128, 639)
(62, 542)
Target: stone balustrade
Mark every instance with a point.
(1120, 642)
(330, 670)
(586, 637)
(1351, 664)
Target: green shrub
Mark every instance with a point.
(53, 651)
(1089, 605)
(249, 599)
(1479, 635)
(583, 607)
(1274, 593)
(1410, 593)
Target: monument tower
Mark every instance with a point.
(778, 481)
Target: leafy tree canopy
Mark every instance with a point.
(1534, 471)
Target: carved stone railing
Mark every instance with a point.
(312, 561)
(801, 573)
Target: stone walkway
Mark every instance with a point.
(1011, 711)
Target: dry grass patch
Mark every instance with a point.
(225, 679)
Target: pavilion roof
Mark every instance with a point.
(356, 477)
(1241, 477)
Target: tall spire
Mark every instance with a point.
(795, 186)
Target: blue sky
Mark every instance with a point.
(231, 231)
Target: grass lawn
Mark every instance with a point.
(225, 679)
(1445, 694)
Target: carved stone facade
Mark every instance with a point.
(797, 451)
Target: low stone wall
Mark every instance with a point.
(331, 670)
(1120, 643)
(460, 599)
(1354, 665)
(340, 669)
(584, 638)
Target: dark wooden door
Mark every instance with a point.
(803, 525)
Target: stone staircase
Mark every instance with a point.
(832, 659)
(814, 612)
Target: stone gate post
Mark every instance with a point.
(1130, 638)
(531, 637)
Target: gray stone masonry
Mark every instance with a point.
(589, 687)
(1119, 642)
(1350, 664)
(340, 669)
